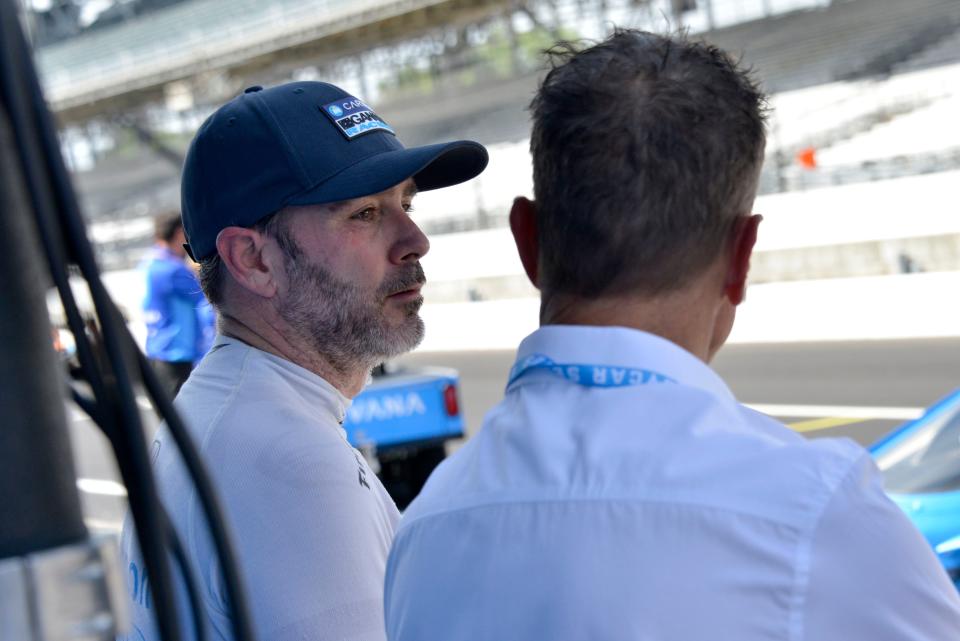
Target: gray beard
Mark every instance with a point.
(346, 323)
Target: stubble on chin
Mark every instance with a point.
(416, 327)
(412, 308)
(347, 324)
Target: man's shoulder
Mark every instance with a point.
(250, 429)
(758, 467)
(794, 482)
(772, 439)
(231, 386)
(241, 405)
(736, 460)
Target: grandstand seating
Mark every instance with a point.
(865, 130)
(177, 31)
(942, 52)
(827, 66)
(197, 36)
(846, 40)
(922, 131)
(841, 41)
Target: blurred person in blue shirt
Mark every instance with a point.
(180, 321)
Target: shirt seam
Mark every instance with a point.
(598, 499)
(805, 554)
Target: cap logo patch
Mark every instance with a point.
(353, 117)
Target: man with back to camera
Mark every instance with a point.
(619, 491)
(175, 311)
(296, 202)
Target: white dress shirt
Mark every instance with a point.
(619, 491)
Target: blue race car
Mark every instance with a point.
(401, 422)
(920, 462)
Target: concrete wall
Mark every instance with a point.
(852, 230)
(877, 308)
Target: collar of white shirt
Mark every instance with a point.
(622, 347)
(315, 390)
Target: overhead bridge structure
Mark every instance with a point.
(123, 67)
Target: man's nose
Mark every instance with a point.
(411, 242)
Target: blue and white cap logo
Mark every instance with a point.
(353, 117)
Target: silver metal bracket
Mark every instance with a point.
(70, 593)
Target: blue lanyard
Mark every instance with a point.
(587, 375)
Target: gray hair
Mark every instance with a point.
(213, 273)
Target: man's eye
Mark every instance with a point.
(365, 214)
(408, 207)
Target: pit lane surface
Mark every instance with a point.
(808, 379)
(856, 389)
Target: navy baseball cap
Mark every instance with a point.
(302, 143)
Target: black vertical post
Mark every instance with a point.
(40, 508)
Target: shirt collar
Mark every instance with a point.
(622, 347)
(314, 389)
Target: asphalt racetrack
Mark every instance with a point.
(856, 389)
(870, 386)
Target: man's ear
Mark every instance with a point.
(743, 237)
(242, 250)
(523, 224)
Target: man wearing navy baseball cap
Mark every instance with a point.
(296, 203)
